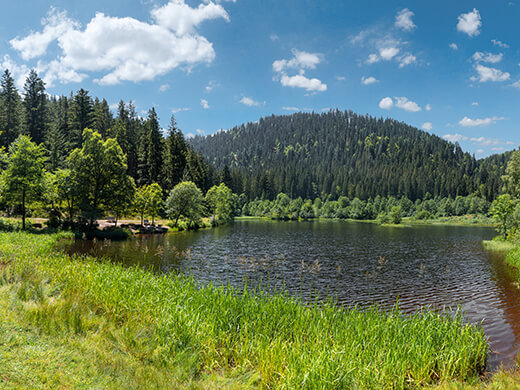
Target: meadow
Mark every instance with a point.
(81, 322)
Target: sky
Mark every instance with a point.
(451, 68)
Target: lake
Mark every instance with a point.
(356, 263)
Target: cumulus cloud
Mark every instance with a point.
(204, 103)
(123, 48)
(55, 24)
(181, 18)
(487, 57)
(404, 21)
(428, 107)
(301, 61)
(164, 87)
(474, 104)
(386, 103)
(300, 81)
(453, 46)
(427, 126)
(489, 74)
(247, 101)
(287, 108)
(470, 23)
(407, 105)
(468, 122)
(369, 80)
(387, 53)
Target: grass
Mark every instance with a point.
(71, 322)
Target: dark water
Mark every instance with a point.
(360, 264)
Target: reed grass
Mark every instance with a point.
(145, 330)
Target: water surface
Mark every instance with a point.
(357, 263)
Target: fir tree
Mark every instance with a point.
(10, 110)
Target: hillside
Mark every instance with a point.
(343, 153)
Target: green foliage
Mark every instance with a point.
(185, 200)
(396, 215)
(343, 153)
(23, 180)
(148, 200)
(10, 110)
(98, 170)
(220, 201)
(502, 210)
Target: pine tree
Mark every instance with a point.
(81, 116)
(174, 156)
(10, 110)
(151, 151)
(35, 107)
(102, 118)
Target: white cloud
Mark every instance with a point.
(407, 105)
(290, 108)
(181, 109)
(500, 44)
(480, 151)
(407, 60)
(487, 57)
(455, 137)
(485, 141)
(124, 49)
(387, 53)
(300, 81)
(181, 18)
(204, 103)
(55, 24)
(453, 46)
(468, 122)
(386, 103)
(18, 72)
(372, 58)
(341, 78)
(211, 85)
(474, 104)
(470, 23)
(489, 74)
(403, 20)
(369, 80)
(301, 61)
(274, 37)
(428, 107)
(516, 84)
(249, 102)
(200, 132)
(164, 87)
(427, 126)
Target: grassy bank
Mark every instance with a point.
(79, 322)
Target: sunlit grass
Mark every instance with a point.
(170, 332)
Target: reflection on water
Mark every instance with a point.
(359, 264)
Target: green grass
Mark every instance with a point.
(110, 326)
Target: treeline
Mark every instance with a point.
(310, 155)
(57, 123)
(384, 209)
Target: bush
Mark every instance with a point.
(423, 215)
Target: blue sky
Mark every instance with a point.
(451, 68)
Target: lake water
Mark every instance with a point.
(357, 263)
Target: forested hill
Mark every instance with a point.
(343, 153)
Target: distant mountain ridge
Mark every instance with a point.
(344, 153)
